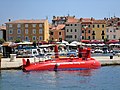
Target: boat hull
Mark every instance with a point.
(63, 64)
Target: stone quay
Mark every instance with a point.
(8, 64)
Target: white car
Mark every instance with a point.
(98, 51)
(118, 54)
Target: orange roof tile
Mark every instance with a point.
(58, 27)
(27, 21)
(99, 22)
(2, 27)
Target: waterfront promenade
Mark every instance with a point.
(6, 63)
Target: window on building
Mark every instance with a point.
(40, 31)
(75, 30)
(103, 32)
(82, 31)
(93, 37)
(34, 38)
(114, 36)
(107, 30)
(67, 30)
(68, 36)
(40, 25)
(75, 24)
(51, 33)
(89, 26)
(18, 37)
(10, 25)
(102, 37)
(83, 26)
(60, 39)
(59, 33)
(107, 36)
(52, 38)
(71, 24)
(34, 31)
(26, 25)
(75, 36)
(93, 26)
(82, 37)
(114, 30)
(93, 32)
(41, 38)
(103, 26)
(10, 38)
(67, 24)
(88, 31)
(88, 37)
(34, 25)
(71, 30)
(18, 31)
(26, 31)
(10, 31)
(26, 38)
(98, 25)
(18, 25)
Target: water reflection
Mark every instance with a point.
(81, 72)
(105, 78)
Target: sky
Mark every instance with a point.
(40, 9)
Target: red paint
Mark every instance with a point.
(68, 63)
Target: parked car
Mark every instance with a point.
(72, 52)
(116, 52)
(98, 51)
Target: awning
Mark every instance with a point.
(96, 41)
(25, 43)
(85, 41)
(10, 44)
(113, 41)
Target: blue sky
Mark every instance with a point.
(40, 9)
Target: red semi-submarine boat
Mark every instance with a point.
(82, 62)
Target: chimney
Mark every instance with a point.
(9, 19)
(81, 19)
(92, 18)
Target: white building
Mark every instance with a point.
(113, 33)
(73, 30)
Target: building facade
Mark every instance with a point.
(86, 28)
(113, 31)
(57, 33)
(73, 31)
(3, 32)
(27, 30)
(99, 29)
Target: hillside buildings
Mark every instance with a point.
(67, 28)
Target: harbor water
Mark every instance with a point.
(105, 78)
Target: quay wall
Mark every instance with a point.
(6, 64)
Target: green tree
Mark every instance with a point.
(2, 41)
(34, 43)
(17, 40)
(106, 40)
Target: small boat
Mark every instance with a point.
(82, 62)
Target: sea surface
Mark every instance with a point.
(105, 78)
